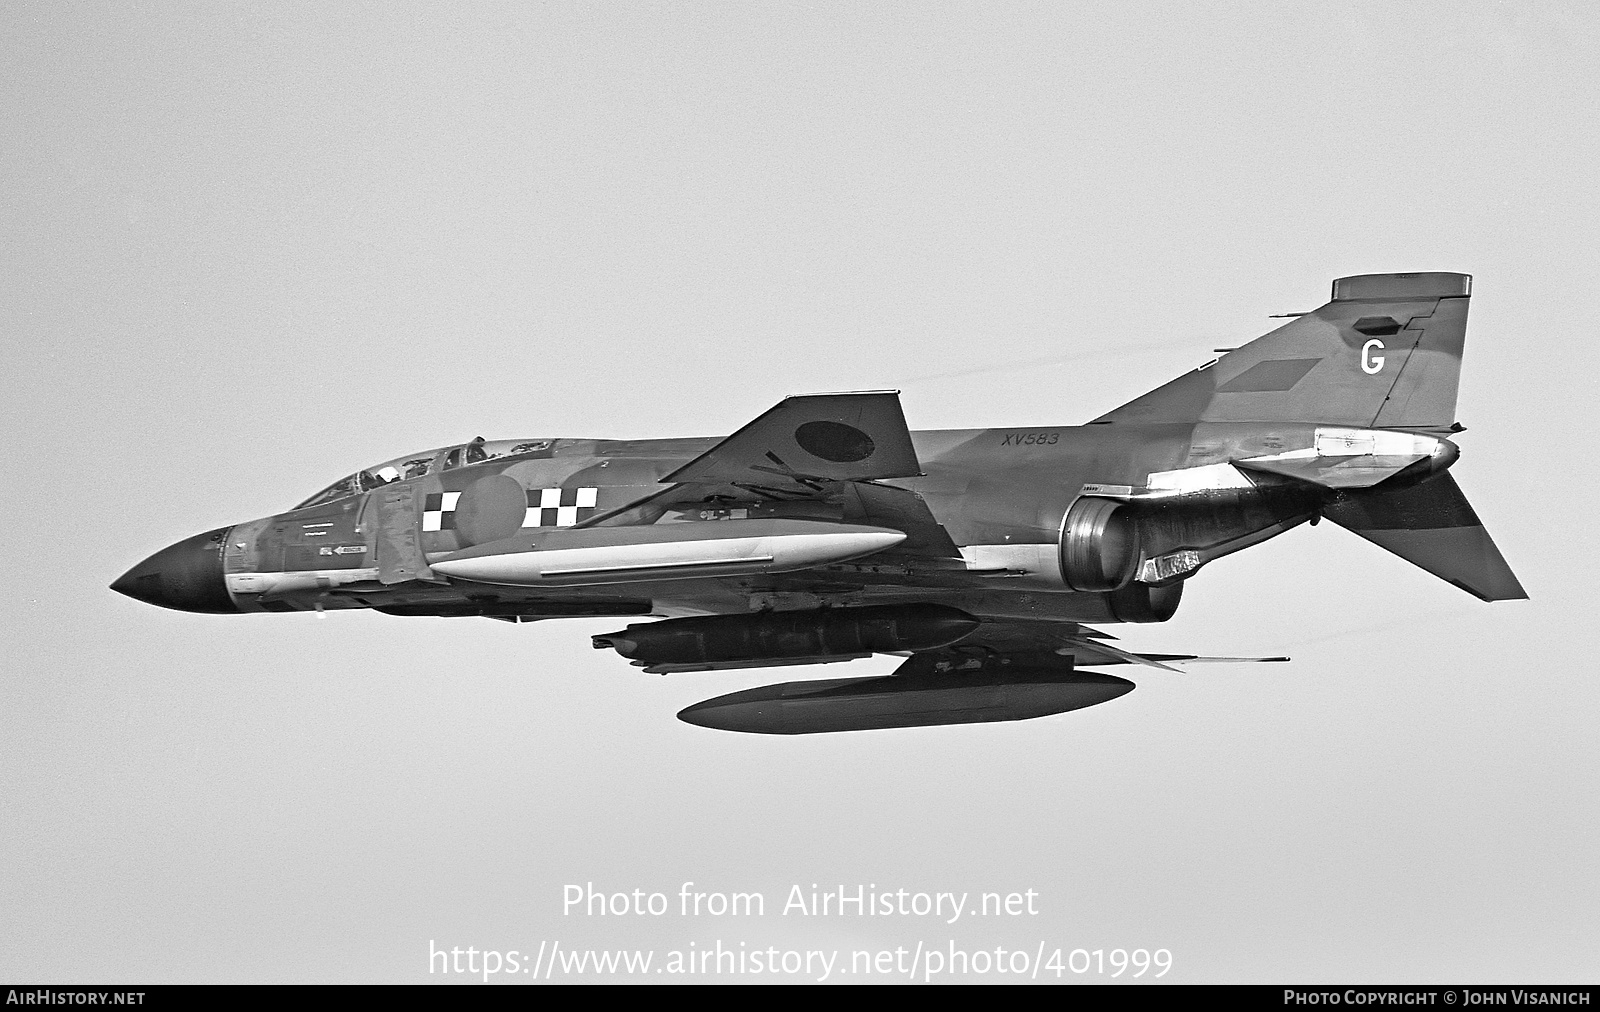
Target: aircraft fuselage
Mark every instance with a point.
(1001, 494)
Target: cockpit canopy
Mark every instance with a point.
(415, 465)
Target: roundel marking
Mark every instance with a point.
(835, 441)
(489, 509)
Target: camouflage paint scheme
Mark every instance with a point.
(1034, 530)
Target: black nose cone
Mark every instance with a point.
(186, 576)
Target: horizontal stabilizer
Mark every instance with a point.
(1355, 458)
(1338, 472)
(1431, 525)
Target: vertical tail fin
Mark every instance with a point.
(1384, 353)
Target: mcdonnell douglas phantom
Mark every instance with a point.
(825, 531)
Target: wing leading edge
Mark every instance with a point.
(812, 437)
(813, 456)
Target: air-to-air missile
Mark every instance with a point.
(826, 531)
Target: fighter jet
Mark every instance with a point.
(826, 531)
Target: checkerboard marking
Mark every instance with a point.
(559, 507)
(547, 507)
(439, 511)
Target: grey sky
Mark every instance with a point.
(247, 250)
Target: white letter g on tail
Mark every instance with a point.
(1371, 364)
